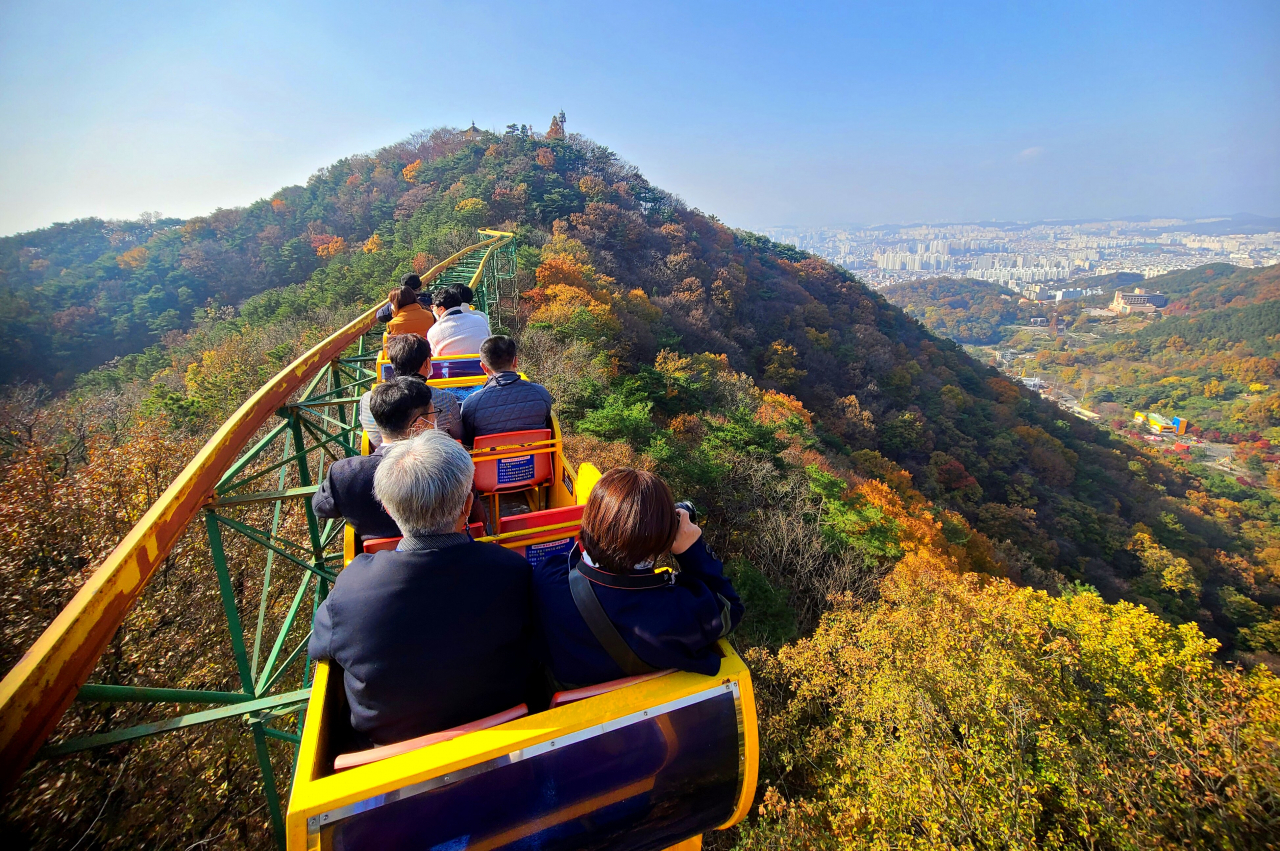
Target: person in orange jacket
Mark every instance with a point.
(409, 316)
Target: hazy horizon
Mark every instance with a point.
(767, 118)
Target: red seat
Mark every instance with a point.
(538, 546)
(513, 472)
(373, 545)
(351, 760)
(560, 698)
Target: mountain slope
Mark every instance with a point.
(829, 437)
(966, 310)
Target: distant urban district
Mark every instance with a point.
(1040, 259)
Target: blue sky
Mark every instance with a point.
(765, 114)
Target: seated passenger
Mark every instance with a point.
(457, 331)
(467, 295)
(410, 357)
(414, 283)
(401, 408)
(438, 631)
(410, 317)
(506, 402)
(658, 619)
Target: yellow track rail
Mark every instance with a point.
(44, 682)
(38, 690)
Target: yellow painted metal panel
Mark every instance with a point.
(317, 790)
(588, 475)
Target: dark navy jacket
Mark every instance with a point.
(675, 626)
(429, 639)
(506, 402)
(347, 493)
(385, 312)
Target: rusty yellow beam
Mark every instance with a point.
(45, 681)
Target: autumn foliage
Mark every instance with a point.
(877, 497)
(133, 258)
(961, 713)
(328, 246)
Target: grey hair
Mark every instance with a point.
(423, 483)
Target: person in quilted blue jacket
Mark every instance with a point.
(506, 402)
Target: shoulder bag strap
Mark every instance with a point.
(584, 597)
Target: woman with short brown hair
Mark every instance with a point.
(608, 612)
(409, 316)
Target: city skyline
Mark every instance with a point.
(1039, 259)
(757, 113)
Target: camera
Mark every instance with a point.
(688, 506)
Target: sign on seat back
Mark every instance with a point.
(551, 533)
(513, 468)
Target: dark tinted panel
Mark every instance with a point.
(465, 368)
(645, 786)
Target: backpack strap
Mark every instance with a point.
(584, 597)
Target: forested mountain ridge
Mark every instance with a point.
(866, 481)
(967, 310)
(75, 295)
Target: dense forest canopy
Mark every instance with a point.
(864, 479)
(967, 310)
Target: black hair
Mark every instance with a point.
(464, 292)
(447, 298)
(498, 352)
(410, 280)
(396, 404)
(407, 353)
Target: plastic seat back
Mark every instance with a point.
(514, 471)
(552, 533)
(373, 545)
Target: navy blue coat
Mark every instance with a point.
(347, 493)
(506, 402)
(675, 626)
(429, 639)
(385, 312)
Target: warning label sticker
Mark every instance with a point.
(538, 553)
(512, 470)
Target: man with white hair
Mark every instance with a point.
(439, 631)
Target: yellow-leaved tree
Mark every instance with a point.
(958, 711)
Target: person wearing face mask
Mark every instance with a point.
(607, 612)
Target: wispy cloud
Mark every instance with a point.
(1032, 153)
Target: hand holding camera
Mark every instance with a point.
(689, 531)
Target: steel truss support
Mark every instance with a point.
(280, 524)
(270, 553)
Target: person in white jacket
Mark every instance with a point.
(458, 330)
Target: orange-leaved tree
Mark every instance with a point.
(133, 258)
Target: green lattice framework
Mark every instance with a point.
(277, 528)
(312, 432)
